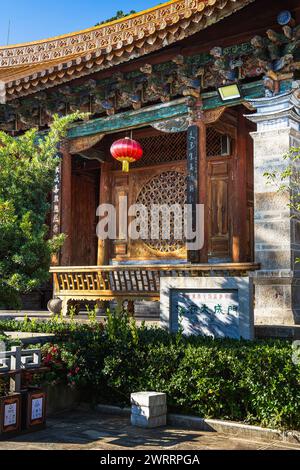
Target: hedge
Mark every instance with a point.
(252, 382)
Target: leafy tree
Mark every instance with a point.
(287, 180)
(27, 168)
(120, 14)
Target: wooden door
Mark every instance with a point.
(219, 208)
(84, 206)
(150, 185)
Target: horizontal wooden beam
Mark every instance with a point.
(158, 112)
(158, 267)
(130, 119)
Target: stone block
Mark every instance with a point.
(273, 259)
(148, 399)
(149, 412)
(144, 422)
(270, 143)
(270, 200)
(275, 233)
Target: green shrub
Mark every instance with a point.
(253, 382)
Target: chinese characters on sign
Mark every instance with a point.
(56, 201)
(192, 175)
(10, 414)
(37, 409)
(208, 313)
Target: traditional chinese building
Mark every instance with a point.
(211, 91)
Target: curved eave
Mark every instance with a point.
(106, 46)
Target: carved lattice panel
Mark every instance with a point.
(161, 148)
(213, 142)
(169, 187)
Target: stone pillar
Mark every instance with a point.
(277, 235)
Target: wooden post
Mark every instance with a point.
(66, 205)
(15, 364)
(239, 222)
(202, 186)
(104, 197)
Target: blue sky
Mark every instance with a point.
(38, 19)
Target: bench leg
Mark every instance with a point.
(130, 308)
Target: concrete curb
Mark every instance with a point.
(242, 431)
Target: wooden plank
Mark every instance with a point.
(219, 203)
(158, 112)
(130, 119)
(154, 267)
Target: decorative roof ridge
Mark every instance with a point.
(115, 35)
(40, 66)
(125, 19)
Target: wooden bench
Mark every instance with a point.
(129, 282)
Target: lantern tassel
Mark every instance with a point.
(125, 166)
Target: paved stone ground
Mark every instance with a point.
(89, 430)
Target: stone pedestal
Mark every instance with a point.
(148, 409)
(277, 235)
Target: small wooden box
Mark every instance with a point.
(10, 415)
(33, 409)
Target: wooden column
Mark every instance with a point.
(239, 176)
(66, 205)
(104, 197)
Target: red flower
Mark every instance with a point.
(48, 358)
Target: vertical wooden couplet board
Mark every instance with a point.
(196, 181)
(56, 206)
(192, 179)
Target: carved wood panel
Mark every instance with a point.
(219, 203)
(84, 204)
(170, 188)
(164, 183)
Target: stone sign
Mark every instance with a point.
(215, 307)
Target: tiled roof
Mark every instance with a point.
(26, 68)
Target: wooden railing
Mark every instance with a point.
(134, 281)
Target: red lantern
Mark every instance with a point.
(126, 151)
